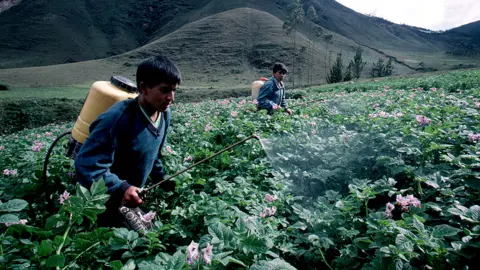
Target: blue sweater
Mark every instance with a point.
(271, 93)
(123, 147)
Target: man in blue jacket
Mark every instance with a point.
(271, 95)
(125, 142)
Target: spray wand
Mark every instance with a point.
(144, 191)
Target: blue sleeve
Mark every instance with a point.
(96, 157)
(262, 99)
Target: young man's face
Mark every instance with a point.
(279, 75)
(160, 96)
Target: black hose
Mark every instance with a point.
(49, 152)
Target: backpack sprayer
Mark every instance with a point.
(101, 96)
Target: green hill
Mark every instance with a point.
(216, 42)
(228, 49)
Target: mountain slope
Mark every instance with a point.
(472, 30)
(45, 32)
(226, 50)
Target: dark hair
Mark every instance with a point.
(156, 70)
(279, 67)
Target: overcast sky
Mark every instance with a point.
(430, 14)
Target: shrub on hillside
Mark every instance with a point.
(16, 115)
(3, 87)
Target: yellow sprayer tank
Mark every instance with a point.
(256, 85)
(102, 95)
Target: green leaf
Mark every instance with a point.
(150, 266)
(45, 248)
(14, 205)
(474, 212)
(89, 203)
(398, 265)
(177, 261)
(116, 265)
(403, 243)
(225, 261)
(418, 224)
(299, 225)
(473, 183)
(8, 218)
(221, 234)
(255, 245)
(56, 260)
(457, 245)
(130, 265)
(444, 230)
(277, 264)
(26, 242)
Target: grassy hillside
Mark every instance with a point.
(45, 32)
(55, 32)
(227, 50)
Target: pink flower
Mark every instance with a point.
(10, 172)
(477, 105)
(405, 202)
(433, 89)
(313, 123)
(187, 159)
(399, 114)
(242, 102)
(373, 115)
(268, 212)
(148, 217)
(169, 149)
(271, 198)
(389, 102)
(63, 197)
(2, 147)
(187, 124)
(255, 101)
(192, 253)
(375, 106)
(276, 107)
(422, 120)
(21, 221)
(207, 253)
(389, 209)
(234, 114)
(208, 127)
(48, 133)
(37, 146)
(414, 201)
(474, 137)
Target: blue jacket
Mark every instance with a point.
(272, 92)
(123, 147)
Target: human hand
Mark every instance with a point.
(276, 107)
(288, 111)
(131, 197)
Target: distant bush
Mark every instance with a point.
(16, 115)
(3, 87)
(295, 94)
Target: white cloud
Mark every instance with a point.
(430, 14)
